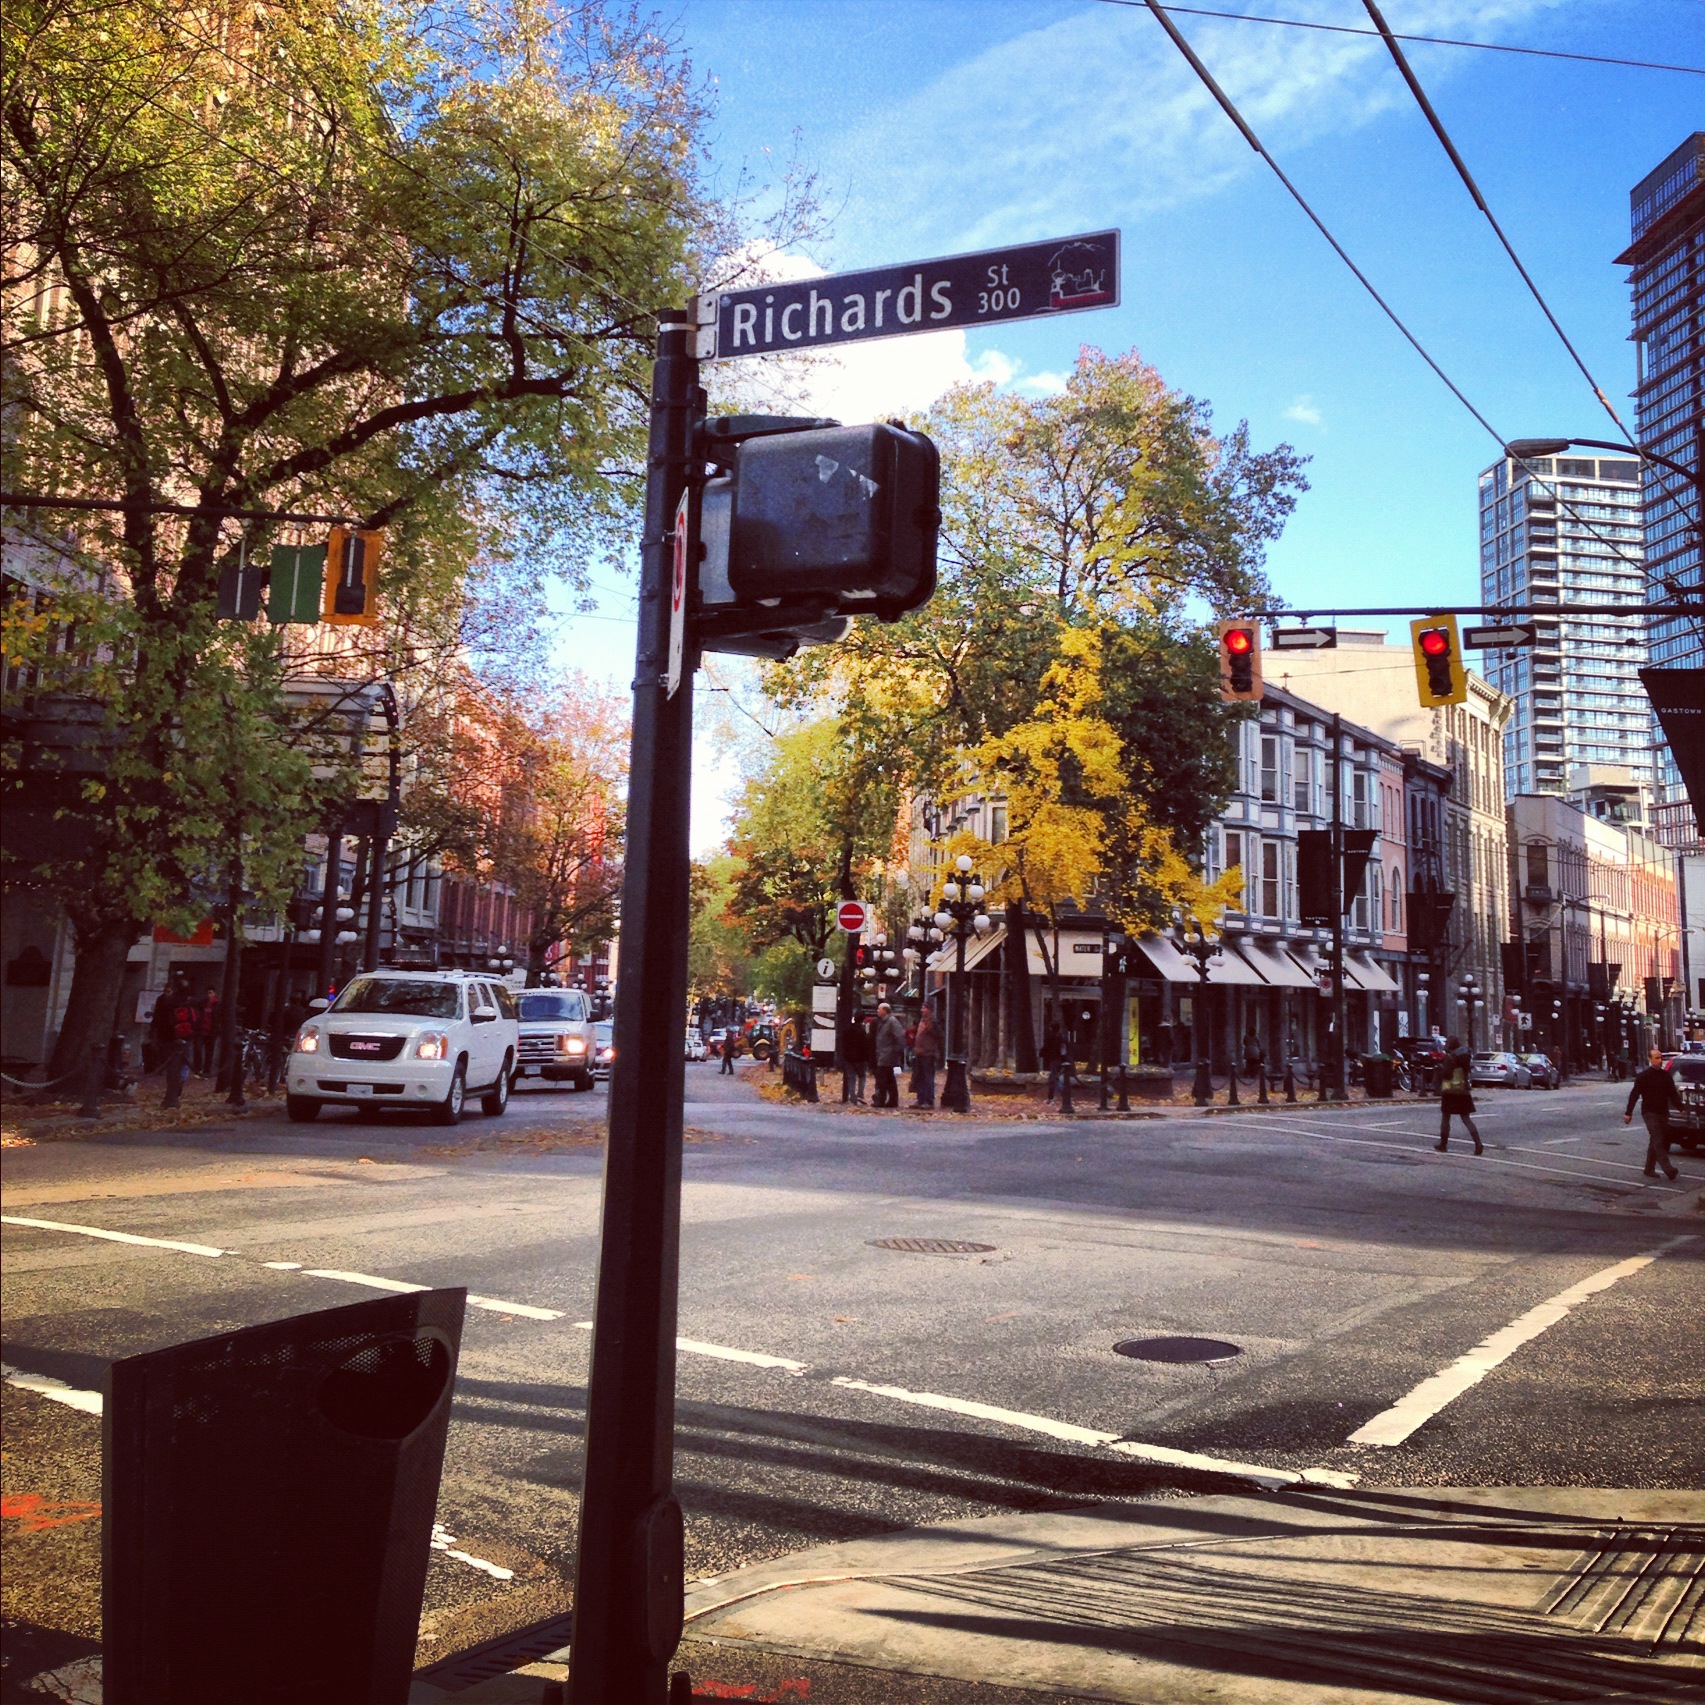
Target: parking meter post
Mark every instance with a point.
(628, 1583)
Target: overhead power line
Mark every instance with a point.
(1228, 106)
(1430, 41)
(1479, 201)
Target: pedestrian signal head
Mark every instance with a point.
(352, 577)
(1439, 674)
(1240, 661)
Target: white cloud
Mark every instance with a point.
(1305, 410)
(1095, 119)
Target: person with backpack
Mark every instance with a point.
(1456, 1096)
(179, 1032)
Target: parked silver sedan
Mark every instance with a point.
(1542, 1071)
(1502, 1070)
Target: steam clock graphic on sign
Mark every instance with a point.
(1080, 275)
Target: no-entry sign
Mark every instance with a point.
(851, 915)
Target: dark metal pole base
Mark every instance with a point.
(1204, 1092)
(956, 1089)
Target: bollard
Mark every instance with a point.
(1231, 1085)
(1261, 1085)
(1290, 1080)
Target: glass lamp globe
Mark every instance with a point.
(963, 863)
(976, 891)
(935, 934)
(950, 890)
(944, 920)
(981, 923)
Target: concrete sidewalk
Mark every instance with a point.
(1304, 1597)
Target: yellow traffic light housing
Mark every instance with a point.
(1240, 661)
(352, 578)
(1440, 676)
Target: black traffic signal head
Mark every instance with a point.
(1240, 660)
(1440, 678)
(842, 516)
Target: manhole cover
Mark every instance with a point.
(1179, 1349)
(931, 1246)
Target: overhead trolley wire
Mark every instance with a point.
(1462, 171)
(1229, 107)
(1430, 41)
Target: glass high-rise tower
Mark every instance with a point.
(1556, 532)
(1667, 257)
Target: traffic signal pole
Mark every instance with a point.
(628, 1583)
(1340, 1060)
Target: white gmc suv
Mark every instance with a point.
(407, 1039)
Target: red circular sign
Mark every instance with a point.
(851, 915)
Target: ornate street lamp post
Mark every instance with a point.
(961, 915)
(1468, 992)
(1202, 943)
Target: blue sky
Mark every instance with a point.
(942, 125)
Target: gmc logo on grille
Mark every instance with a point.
(364, 1047)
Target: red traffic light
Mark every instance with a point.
(1239, 641)
(1435, 642)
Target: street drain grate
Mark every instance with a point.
(931, 1246)
(1179, 1349)
(492, 1658)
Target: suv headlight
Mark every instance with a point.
(434, 1045)
(307, 1040)
(571, 1044)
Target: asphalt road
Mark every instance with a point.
(1344, 1258)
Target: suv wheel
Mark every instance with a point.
(449, 1110)
(496, 1098)
(301, 1109)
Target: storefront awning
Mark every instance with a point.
(1368, 971)
(946, 957)
(1274, 963)
(1228, 969)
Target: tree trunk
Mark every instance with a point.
(1024, 1057)
(96, 978)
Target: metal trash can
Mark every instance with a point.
(1379, 1076)
(270, 1496)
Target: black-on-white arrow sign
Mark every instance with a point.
(1304, 639)
(1506, 633)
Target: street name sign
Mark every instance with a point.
(678, 597)
(1304, 639)
(851, 914)
(1064, 275)
(1505, 633)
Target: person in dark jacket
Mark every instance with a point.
(926, 1050)
(1254, 1056)
(855, 1061)
(179, 1030)
(1456, 1097)
(889, 1044)
(1054, 1056)
(1655, 1094)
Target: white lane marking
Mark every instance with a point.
(59, 1390)
(115, 1236)
(1484, 1160)
(444, 1540)
(344, 1278)
(1066, 1431)
(1392, 1426)
(722, 1353)
(525, 1309)
(496, 1305)
(283, 1266)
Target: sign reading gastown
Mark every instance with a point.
(1063, 276)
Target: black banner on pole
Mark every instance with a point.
(1678, 696)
